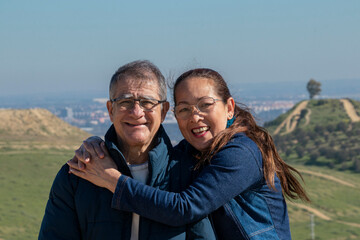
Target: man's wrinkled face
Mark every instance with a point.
(136, 127)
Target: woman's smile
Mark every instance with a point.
(200, 131)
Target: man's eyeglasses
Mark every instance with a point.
(204, 105)
(129, 103)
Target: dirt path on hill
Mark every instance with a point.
(322, 215)
(350, 110)
(312, 210)
(307, 117)
(291, 121)
(331, 178)
(350, 224)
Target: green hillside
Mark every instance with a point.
(321, 139)
(320, 132)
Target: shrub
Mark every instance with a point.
(312, 135)
(314, 156)
(341, 126)
(330, 153)
(323, 151)
(356, 166)
(343, 167)
(303, 113)
(318, 142)
(319, 129)
(330, 128)
(300, 135)
(288, 152)
(300, 151)
(341, 157)
(321, 102)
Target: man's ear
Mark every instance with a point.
(164, 110)
(110, 109)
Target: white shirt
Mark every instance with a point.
(140, 172)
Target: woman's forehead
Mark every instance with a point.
(194, 89)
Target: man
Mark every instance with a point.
(137, 142)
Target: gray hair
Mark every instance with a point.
(140, 69)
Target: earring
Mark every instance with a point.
(230, 121)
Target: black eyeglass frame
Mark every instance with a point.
(139, 100)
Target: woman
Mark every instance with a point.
(240, 178)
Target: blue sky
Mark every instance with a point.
(75, 46)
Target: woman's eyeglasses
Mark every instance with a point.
(204, 105)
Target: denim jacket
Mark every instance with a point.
(77, 209)
(232, 188)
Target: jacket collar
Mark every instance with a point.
(189, 148)
(158, 156)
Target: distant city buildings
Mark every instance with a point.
(265, 106)
(92, 116)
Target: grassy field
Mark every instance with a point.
(335, 204)
(25, 180)
(26, 177)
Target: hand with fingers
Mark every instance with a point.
(82, 155)
(93, 163)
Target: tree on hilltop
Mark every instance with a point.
(314, 88)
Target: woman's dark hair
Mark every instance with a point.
(245, 122)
